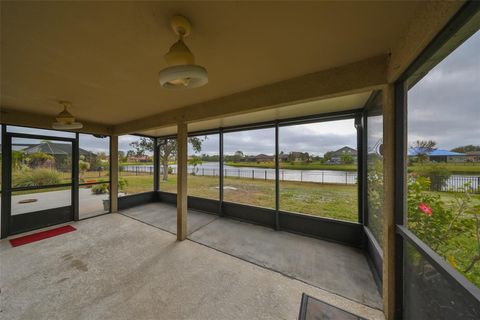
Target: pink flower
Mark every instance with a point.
(425, 209)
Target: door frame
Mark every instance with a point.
(55, 215)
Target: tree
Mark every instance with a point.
(122, 157)
(347, 159)
(464, 149)
(328, 155)
(83, 166)
(238, 156)
(305, 157)
(40, 159)
(167, 151)
(423, 148)
(195, 161)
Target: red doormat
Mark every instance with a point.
(41, 235)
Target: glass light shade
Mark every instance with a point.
(183, 77)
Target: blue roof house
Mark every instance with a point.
(439, 155)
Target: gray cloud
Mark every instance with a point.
(445, 105)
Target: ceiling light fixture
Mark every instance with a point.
(65, 120)
(182, 72)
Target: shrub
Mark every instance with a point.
(122, 184)
(40, 159)
(83, 166)
(436, 173)
(35, 178)
(446, 227)
(100, 188)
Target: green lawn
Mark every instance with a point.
(137, 183)
(459, 168)
(324, 200)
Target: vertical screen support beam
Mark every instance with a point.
(220, 174)
(75, 177)
(359, 125)
(400, 188)
(389, 202)
(156, 165)
(6, 181)
(277, 177)
(182, 145)
(114, 173)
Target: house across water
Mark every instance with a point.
(439, 155)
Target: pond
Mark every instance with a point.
(455, 182)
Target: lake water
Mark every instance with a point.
(212, 169)
(319, 176)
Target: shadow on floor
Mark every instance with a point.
(334, 267)
(164, 216)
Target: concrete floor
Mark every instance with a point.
(337, 268)
(89, 204)
(164, 216)
(114, 267)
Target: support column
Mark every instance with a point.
(182, 143)
(389, 201)
(277, 177)
(114, 174)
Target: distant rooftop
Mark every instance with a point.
(434, 153)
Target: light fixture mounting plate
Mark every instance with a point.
(181, 25)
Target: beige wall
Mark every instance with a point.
(431, 17)
(365, 75)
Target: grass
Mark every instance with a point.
(137, 183)
(449, 197)
(459, 168)
(323, 200)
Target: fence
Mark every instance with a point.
(456, 183)
(340, 177)
(136, 170)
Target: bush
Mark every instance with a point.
(437, 174)
(40, 159)
(122, 184)
(451, 229)
(35, 178)
(83, 166)
(100, 188)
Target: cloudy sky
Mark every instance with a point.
(445, 105)
(312, 138)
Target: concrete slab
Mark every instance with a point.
(330, 266)
(114, 267)
(89, 204)
(164, 216)
(334, 267)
